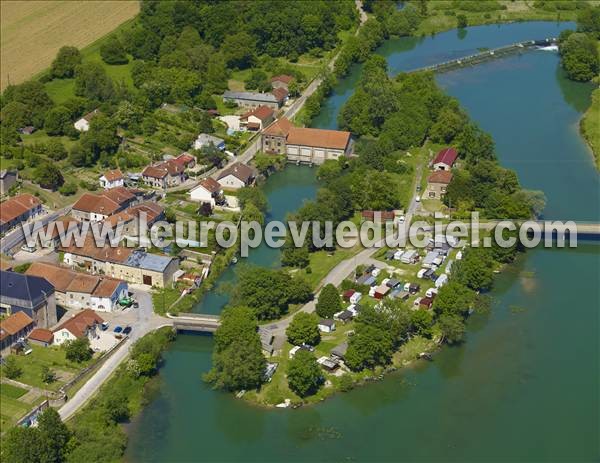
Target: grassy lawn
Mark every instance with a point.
(322, 262)
(54, 358)
(11, 410)
(590, 126)
(14, 392)
(438, 20)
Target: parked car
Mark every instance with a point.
(127, 330)
(28, 248)
(104, 326)
(118, 329)
(418, 198)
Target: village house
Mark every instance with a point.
(8, 178)
(205, 139)
(437, 184)
(95, 208)
(76, 290)
(83, 124)
(207, 191)
(272, 100)
(306, 145)
(165, 174)
(185, 160)
(50, 236)
(130, 220)
(236, 176)
(112, 179)
(83, 324)
(13, 328)
(445, 159)
(257, 119)
(281, 81)
(133, 266)
(29, 294)
(41, 337)
(17, 210)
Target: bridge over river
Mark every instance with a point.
(486, 55)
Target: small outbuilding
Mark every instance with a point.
(326, 325)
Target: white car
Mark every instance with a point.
(401, 219)
(28, 248)
(418, 198)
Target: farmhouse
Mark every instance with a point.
(236, 176)
(83, 124)
(257, 119)
(29, 294)
(7, 179)
(82, 324)
(207, 191)
(76, 290)
(281, 81)
(445, 159)
(112, 179)
(13, 328)
(253, 99)
(17, 210)
(437, 184)
(95, 208)
(313, 146)
(185, 160)
(166, 174)
(205, 139)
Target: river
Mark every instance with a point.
(524, 385)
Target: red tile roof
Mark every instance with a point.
(282, 78)
(15, 324)
(440, 176)
(59, 277)
(120, 195)
(113, 175)
(262, 112)
(279, 128)
(79, 323)
(320, 138)
(17, 206)
(98, 204)
(152, 210)
(210, 185)
(280, 93)
(154, 172)
(385, 215)
(184, 159)
(238, 170)
(41, 335)
(447, 156)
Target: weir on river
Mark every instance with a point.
(487, 55)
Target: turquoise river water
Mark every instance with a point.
(525, 384)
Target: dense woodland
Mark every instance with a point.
(579, 49)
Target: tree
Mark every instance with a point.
(368, 347)
(92, 82)
(67, 59)
(56, 150)
(476, 269)
(421, 321)
(116, 407)
(48, 376)
(588, 20)
(580, 57)
(79, 350)
(57, 120)
(34, 96)
(252, 195)
(329, 301)
(238, 362)
(101, 137)
(461, 21)
(11, 368)
(291, 256)
(22, 445)
(54, 436)
(258, 80)
(48, 176)
(304, 374)
(112, 51)
(239, 50)
(453, 299)
(303, 330)
(14, 115)
(452, 327)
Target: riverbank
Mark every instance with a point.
(590, 126)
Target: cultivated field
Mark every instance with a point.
(31, 32)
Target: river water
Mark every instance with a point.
(525, 384)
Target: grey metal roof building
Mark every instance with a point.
(25, 291)
(250, 96)
(147, 261)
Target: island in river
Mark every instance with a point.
(524, 384)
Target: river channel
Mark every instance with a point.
(523, 387)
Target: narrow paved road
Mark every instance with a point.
(144, 321)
